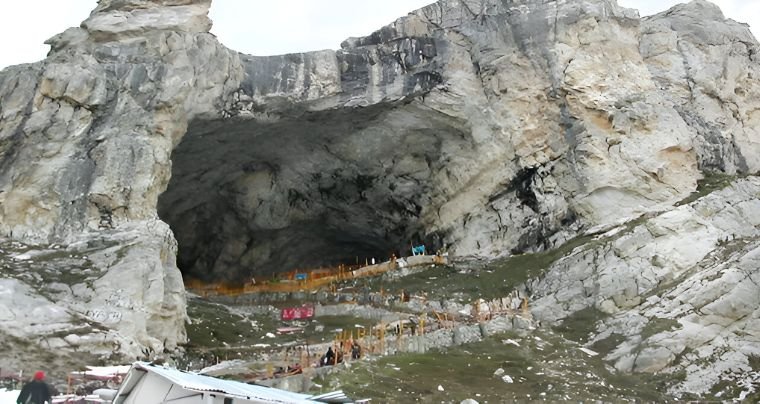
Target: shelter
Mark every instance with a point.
(148, 383)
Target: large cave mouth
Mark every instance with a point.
(254, 197)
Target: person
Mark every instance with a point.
(36, 391)
(356, 351)
(329, 358)
(413, 324)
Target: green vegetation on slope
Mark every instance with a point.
(543, 367)
(710, 183)
(466, 282)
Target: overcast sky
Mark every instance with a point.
(264, 27)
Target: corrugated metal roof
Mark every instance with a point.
(200, 383)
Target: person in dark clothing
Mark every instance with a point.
(36, 391)
(329, 358)
(356, 351)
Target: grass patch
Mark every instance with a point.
(465, 282)
(710, 183)
(577, 326)
(215, 326)
(216, 331)
(609, 344)
(550, 365)
(727, 389)
(754, 362)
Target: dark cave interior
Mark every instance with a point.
(253, 197)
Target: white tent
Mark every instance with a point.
(153, 384)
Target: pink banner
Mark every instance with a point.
(297, 313)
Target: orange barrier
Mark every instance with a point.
(288, 283)
(314, 279)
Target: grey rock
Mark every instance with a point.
(701, 63)
(497, 325)
(490, 130)
(463, 334)
(694, 305)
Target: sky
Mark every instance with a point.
(265, 27)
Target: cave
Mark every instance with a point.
(303, 189)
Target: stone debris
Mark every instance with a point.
(510, 341)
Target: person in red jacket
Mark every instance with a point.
(36, 391)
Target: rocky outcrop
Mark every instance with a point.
(85, 144)
(708, 69)
(120, 20)
(679, 290)
(113, 295)
(493, 130)
(483, 127)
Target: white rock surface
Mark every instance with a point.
(487, 129)
(126, 298)
(682, 288)
(123, 20)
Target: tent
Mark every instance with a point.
(147, 383)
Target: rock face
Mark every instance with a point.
(108, 295)
(679, 291)
(708, 69)
(85, 143)
(485, 127)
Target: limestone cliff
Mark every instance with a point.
(679, 289)
(486, 127)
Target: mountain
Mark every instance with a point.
(142, 151)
